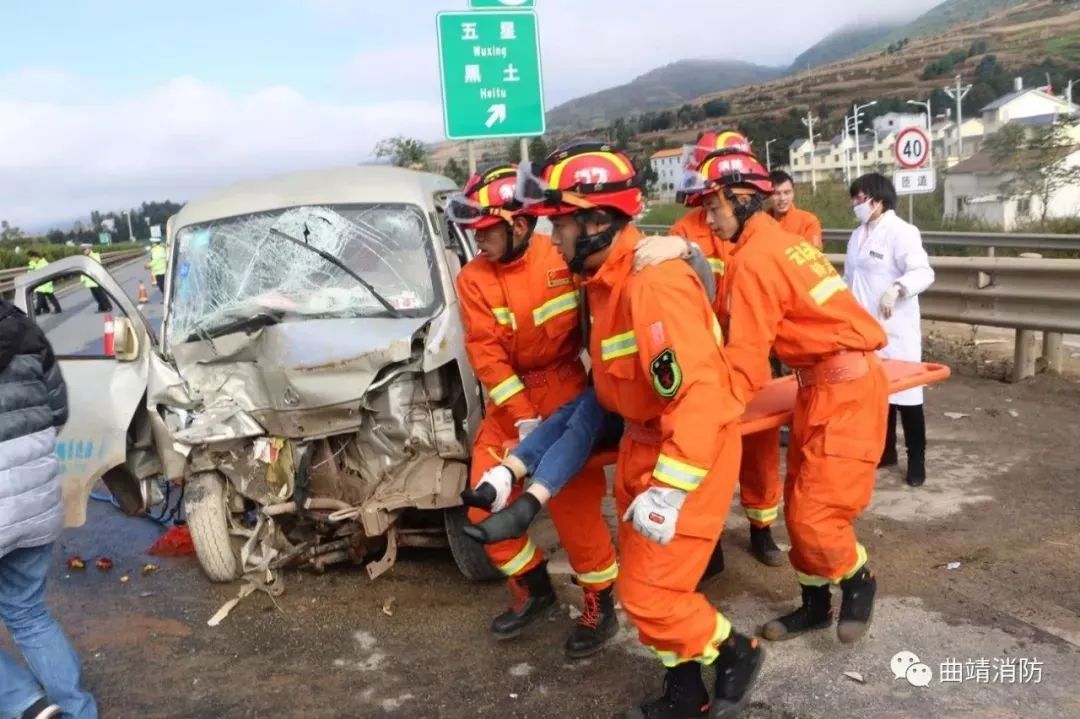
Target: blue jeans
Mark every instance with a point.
(558, 449)
(54, 667)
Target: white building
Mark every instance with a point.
(973, 188)
(668, 166)
(1023, 104)
(837, 159)
(896, 121)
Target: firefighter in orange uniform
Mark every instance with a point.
(759, 473)
(657, 361)
(785, 295)
(520, 310)
(793, 219)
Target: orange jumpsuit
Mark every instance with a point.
(524, 343)
(657, 361)
(804, 224)
(785, 294)
(759, 473)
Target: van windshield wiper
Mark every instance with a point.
(262, 319)
(342, 266)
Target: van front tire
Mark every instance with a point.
(206, 507)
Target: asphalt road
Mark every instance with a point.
(1001, 501)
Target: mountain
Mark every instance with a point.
(657, 90)
(948, 14)
(842, 44)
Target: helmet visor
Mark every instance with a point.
(529, 187)
(463, 211)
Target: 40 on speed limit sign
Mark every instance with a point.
(912, 148)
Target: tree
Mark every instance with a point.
(9, 233)
(404, 152)
(717, 108)
(1036, 163)
(457, 173)
(538, 149)
(513, 150)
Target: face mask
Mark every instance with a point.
(863, 212)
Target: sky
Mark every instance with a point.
(107, 103)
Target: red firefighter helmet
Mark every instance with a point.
(733, 172)
(580, 176)
(488, 198)
(710, 142)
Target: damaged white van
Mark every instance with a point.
(308, 384)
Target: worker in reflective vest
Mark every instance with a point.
(783, 294)
(99, 295)
(158, 263)
(655, 348)
(44, 293)
(519, 307)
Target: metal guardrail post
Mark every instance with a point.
(1024, 356)
(1053, 359)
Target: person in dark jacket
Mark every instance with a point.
(33, 407)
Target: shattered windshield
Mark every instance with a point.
(246, 267)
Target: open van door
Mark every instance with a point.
(103, 345)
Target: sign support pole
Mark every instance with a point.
(524, 149)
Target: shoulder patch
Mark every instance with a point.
(666, 373)
(559, 278)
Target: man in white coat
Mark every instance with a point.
(887, 268)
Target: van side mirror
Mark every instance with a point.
(125, 340)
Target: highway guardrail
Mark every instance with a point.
(7, 277)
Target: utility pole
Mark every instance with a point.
(768, 157)
(958, 93)
(847, 153)
(809, 121)
(131, 233)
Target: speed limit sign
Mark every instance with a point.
(912, 148)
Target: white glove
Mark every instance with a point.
(656, 249)
(888, 301)
(655, 513)
(526, 426)
(502, 479)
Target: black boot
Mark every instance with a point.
(764, 548)
(508, 523)
(888, 454)
(914, 421)
(857, 605)
(595, 626)
(737, 668)
(815, 613)
(533, 595)
(685, 696)
(715, 565)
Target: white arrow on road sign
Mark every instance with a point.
(496, 113)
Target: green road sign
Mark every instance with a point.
(491, 81)
(501, 4)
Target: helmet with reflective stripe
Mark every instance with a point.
(735, 172)
(488, 199)
(710, 142)
(580, 176)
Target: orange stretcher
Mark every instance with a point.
(773, 406)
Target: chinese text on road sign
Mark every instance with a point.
(491, 80)
(914, 182)
(912, 148)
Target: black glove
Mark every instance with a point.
(482, 497)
